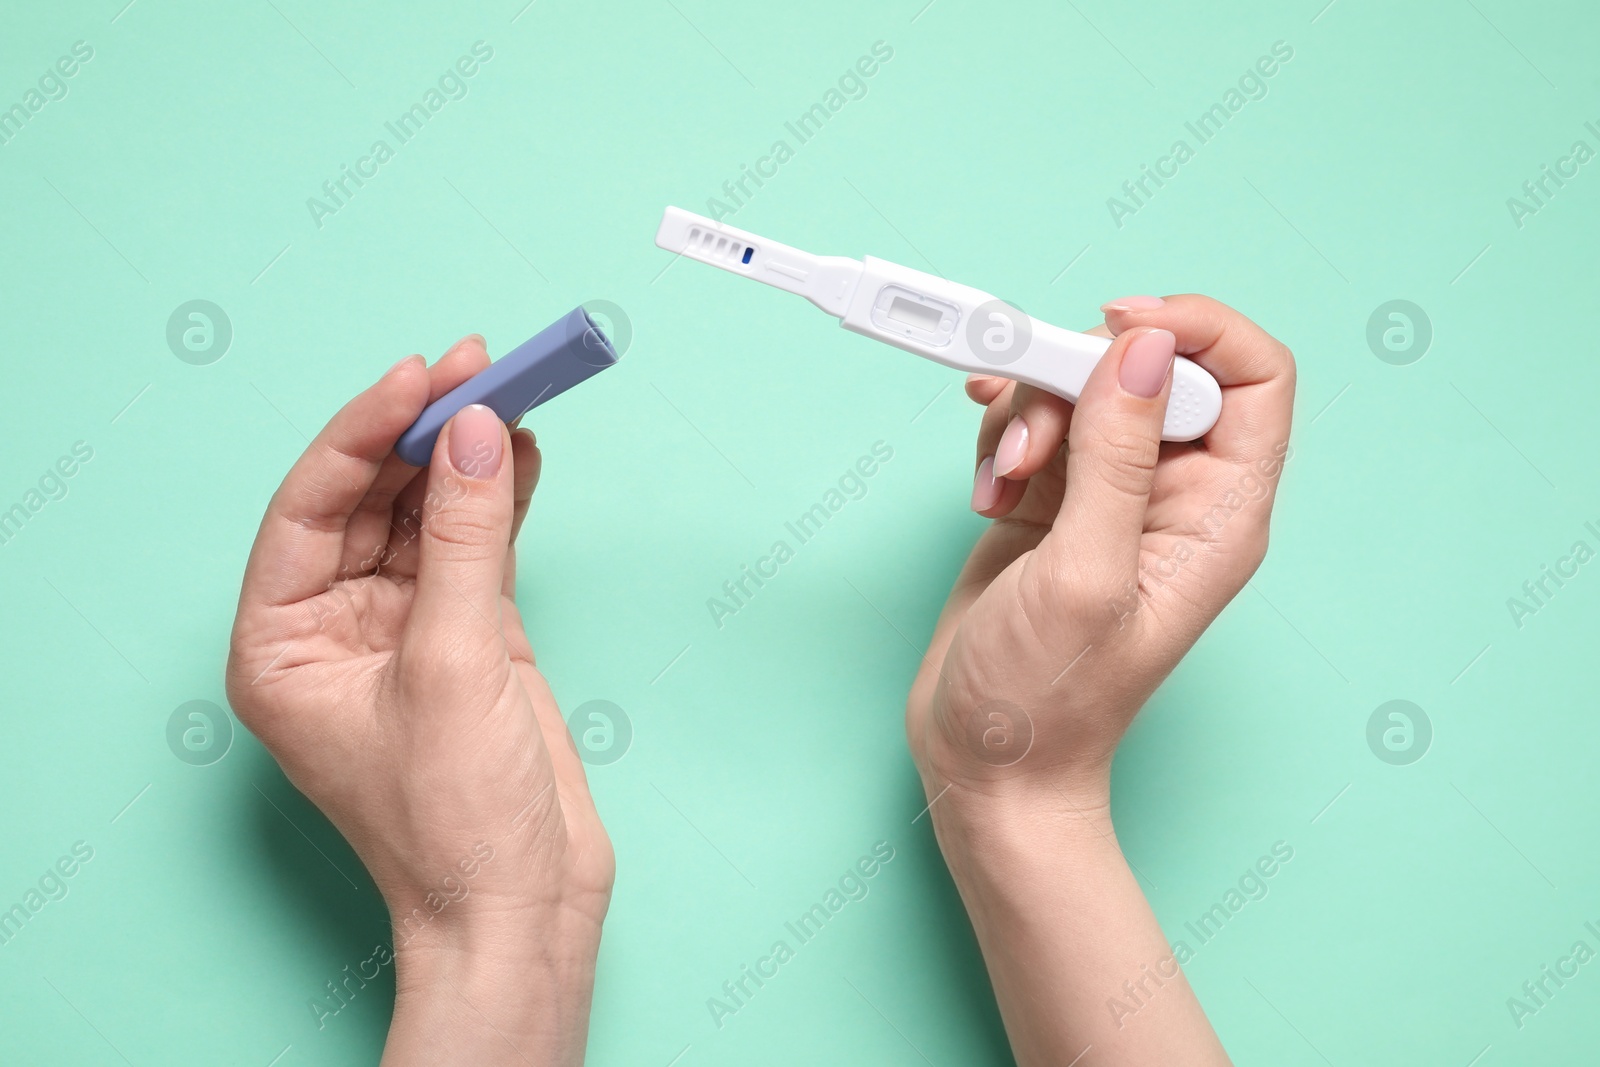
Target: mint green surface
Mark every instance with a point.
(768, 754)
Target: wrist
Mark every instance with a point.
(1011, 758)
(1005, 832)
(491, 992)
(1063, 926)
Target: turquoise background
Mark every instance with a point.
(769, 754)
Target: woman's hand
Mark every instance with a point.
(1110, 554)
(1106, 560)
(378, 654)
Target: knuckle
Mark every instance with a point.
(465, 533)
(998, 413)
(1125, 459)
(1283, 358)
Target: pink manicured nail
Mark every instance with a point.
(1146, 362)
(475, 438)
(1133, 303)
(985, 486)
(1013, 447)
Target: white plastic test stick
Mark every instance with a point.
(944, 321)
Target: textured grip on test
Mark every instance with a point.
(1194, 403)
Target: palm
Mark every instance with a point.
(344, 645)
(364, 617)
(357, 618)
(1190, 493)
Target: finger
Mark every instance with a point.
(1255, 370)
(992, 424)
(1037, 427)
(526, 461)
(527, 458)
(1126, 305)
(405, 528)
(1112, 449)
(994, 496)
(300, 544)
(461, 361)
(465, 532)
(372, 524)
(983, 388)
(1035, 430)
(466, 358)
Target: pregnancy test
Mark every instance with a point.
(941, 320)
(570, 350)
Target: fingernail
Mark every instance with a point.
(985, 486)
(1013, 447)
(402, 361)
(1146, 361)
(475, 435)
(1132, 303)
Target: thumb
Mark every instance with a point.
(1112, 447)
(466, 527)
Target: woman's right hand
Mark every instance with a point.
(1110, 554)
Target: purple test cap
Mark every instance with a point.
(568, 351)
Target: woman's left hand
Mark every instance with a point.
(379, 656)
